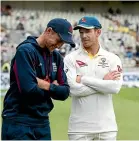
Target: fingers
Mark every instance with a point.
(78, 78)
(116, 77)
(37, 79)
(113, 75)
(114, 72)
(55, 82)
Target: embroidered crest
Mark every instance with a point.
(66, 70)
(83, 20)
(54, 67)
(80, 63)
(103, 63)
(119, 68)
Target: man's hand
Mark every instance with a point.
(43, 84)
(78, 78)
(55, 82)
(113, 75)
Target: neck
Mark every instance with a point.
(93, 49)
(40, 41)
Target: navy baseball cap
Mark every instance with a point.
(63, 28)
(88, 23)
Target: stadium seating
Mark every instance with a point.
(116, 37)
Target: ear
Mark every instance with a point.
(48, 30)
(98, 32)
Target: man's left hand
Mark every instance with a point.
(78, 78)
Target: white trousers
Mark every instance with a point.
(107, 136)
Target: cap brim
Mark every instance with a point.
(83, 26)
(67, 39)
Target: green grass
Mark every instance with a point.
(126, 105)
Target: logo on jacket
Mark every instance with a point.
(103, 63)
(119, 68)
(54, 67)
(80, 63)
(66, 70)
(40, 64)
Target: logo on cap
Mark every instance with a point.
(83, 20)
(70, 29)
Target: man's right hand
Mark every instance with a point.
(55, 82)
(43, 84)
(113, 75)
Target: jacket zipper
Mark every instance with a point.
(47, 62)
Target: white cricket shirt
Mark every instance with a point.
(92, 107)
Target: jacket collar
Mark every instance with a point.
(100, 52)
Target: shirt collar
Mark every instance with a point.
(99, 53)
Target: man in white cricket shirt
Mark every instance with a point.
(94, 75)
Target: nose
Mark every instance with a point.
(60, 45)
(83, 35)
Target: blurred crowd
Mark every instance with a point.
(120, 33)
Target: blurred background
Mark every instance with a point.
(120, 35)
(119, 19)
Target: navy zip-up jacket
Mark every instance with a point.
(24, 100)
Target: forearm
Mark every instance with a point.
(78, 89)
(103, 86)
(57, 92)
(43, 84)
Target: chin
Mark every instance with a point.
(86, 46)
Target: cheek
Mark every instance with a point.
(59, 45)
(97, 33)
(94, 36)
(52, 41)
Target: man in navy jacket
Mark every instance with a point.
(36, 76)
